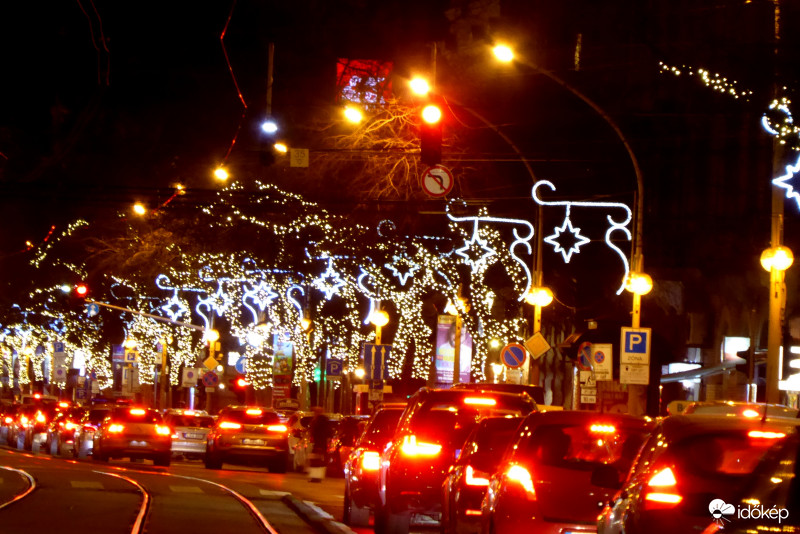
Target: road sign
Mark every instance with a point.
(59, 375)
(131, 356)
(589, 395)
(210, 379)
(635, 346)
(632, 373)
(241, 365)
(513, 355)
(602, 360)
(537, 345)
(189, 377)
(92, 309)
(437, 181)
(210, 363)
(376, 358)
(58, 347)
(584, 360)
(334, 368)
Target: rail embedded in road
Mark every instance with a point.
(31, 485)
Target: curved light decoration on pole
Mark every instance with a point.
(784, 182)
(779, 258)
(613, 225)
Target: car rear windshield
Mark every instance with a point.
(384, 423)
(96, 416)
(254, 418)
(137, 416)
(455, 417)
(581, 446)
(732, 453)
(493, 434)
(202, 421)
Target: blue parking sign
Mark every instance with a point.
(635, 346)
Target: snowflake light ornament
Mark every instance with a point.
(403, 260)
(785, 181)
(329, 282)
(476, 251)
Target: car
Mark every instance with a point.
(688, 461)
(468, 478)
(32, 426)
(7, 420)
(361, 466)
(87, 427)
(536, 392)
(741, 409)
(770, 500)
(247, 435)
(133, 432)
(61, 431)
(548, 480)
(190, 429)
(341, 444)
(415, 462)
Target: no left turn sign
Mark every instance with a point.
(437, 181)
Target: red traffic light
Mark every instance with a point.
(241, 383)
(81, 290)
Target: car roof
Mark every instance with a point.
(570, 417)
(679, 426)
(446, 394)
(535, 392)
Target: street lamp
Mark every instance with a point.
(380, 319)
(776, 260)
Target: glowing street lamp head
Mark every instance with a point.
(419, 86)
(281, 147)
(431, 114)
(353, 115)
(269, 126)
(503, 53)
(210, 335)
(139, 209)
(780, 258)
(221, 174)
(379, 318)
(360, 373)
(639, 283)
(539, 296)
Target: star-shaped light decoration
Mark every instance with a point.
(261, 295)
(577, 239)
(329, 282)
(475, 251)
(402, 260)
(784, 182)
(219, 302)
(175, 307)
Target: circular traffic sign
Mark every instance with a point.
(513, 355)
(210, 379)
(599, 356)
(437, 181)
(585, 356)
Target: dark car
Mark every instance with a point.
(466, 483)
(346, 433)
(361, 467)
(135, 433)
(247, 435)
(559, 469)
(688, 462)
(87, 428)
(430, 433)
(771, 499)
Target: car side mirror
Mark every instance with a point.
(606, 476)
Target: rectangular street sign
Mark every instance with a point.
(634, 374)
(376, 360)
(635, 346)
(333, 368)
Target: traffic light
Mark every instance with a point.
(81, 290)
(317, 374)
(430, 134)
(241, 383)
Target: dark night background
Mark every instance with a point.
(109, 102)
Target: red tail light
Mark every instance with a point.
(229, 425)
(137, 411)
(40, 417)
(475, 478)
(519, 475)
(480, 401)
(370, 461)
(662, 491)
(25, 421)
(765, 434)
(115, 428)
(70, 425)
(278, 428)
(254, 411)
(162, 430)
(89, 428)
(8, 420)
(411, 447)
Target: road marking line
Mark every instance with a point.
(270, 493)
